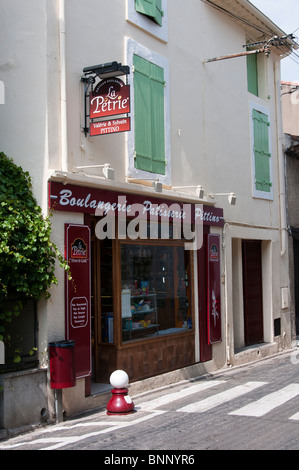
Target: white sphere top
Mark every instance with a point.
(119, 379)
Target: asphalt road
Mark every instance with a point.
(255, 407)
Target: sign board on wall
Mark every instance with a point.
(111, 97)
(214, 289)
(86, 200)
(77, 296)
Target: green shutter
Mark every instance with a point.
(149, 116)
(252, 74)
(262, 154)
(150, 8)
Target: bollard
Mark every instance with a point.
(120, 402)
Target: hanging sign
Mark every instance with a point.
(77, 296)
(109, 98)
(214, 289)
(110, 127)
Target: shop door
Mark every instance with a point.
(252, 292)
(202, 266)
(102, 306)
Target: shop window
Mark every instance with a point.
(155, 290)
(149, 116)
(150, 8)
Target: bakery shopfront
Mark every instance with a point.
(141, 294)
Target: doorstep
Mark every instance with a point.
(254, 353)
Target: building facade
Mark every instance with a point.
(290, 116)
(140, 127)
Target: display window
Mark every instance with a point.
(155, 289)
(141, 289)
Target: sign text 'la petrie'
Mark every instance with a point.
(111, 97)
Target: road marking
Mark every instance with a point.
(268, 402)
(170, 397)
(60, 441)
(220, 398)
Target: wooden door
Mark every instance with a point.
(252, 291)
(205, 347)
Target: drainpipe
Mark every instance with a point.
(281, 175)
(63, 102)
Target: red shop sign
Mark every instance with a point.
(214, 289)
(109, 98)
(77, 296)
(73, 198)
(110, 127)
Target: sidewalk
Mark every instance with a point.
(145, 387)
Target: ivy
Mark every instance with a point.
(27, 255)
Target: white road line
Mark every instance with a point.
(170, 397)
(268, 402)
(61, 441)
(220, 398)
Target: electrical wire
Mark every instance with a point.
(243, 20)
(254, 26)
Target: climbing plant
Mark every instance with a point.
(27, 254)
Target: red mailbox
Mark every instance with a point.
(62, 364)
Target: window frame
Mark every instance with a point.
(252, 69)
(132, 47)
(151, 9)
(147, 24)
(150, 136)
(256, 192)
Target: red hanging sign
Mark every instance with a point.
(109, 98)
(77, 296)
(110, 127)
(214, 289)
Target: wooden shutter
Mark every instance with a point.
(252, 74)
(261, 151)
(149, 116)
(150, 8)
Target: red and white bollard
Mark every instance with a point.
(120, 402)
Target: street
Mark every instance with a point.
(254, 407)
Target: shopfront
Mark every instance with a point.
(151, 294)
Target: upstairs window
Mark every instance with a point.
(149, 89)
(252, 74)
(150, 8)
(262, 158)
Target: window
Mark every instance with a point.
(252, 74)
(21, 339)
(156, 298)
(257, 74)
(150, 8)
(148, 143)
(262, 160)
(149, 15)
(149, 116)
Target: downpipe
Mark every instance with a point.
(63, 101)
(281, 172)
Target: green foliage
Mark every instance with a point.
(27, 255)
